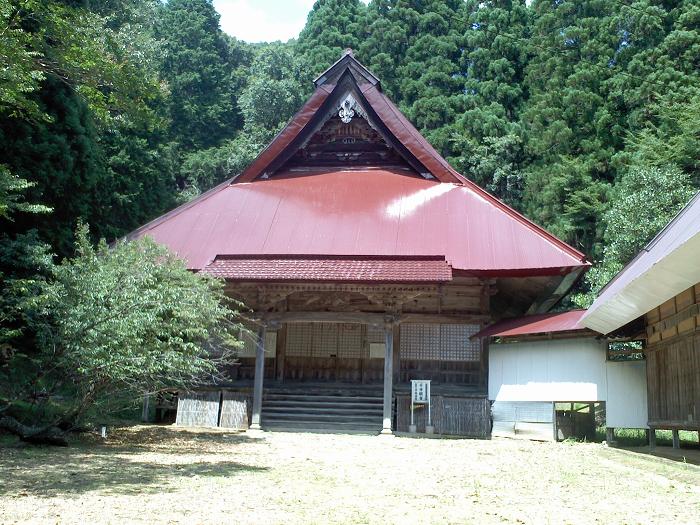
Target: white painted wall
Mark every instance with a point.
(556, 370)
(626, 405)
(569, 370)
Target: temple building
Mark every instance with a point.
(366, 262)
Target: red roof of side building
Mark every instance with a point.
(361, 213)
(335, 269)
(536, 324)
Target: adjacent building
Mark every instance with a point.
(656, 299)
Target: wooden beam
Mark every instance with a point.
(375, 319)
(325, 317)
(454, 318)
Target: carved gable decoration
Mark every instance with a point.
(345, 140)
(348, 123)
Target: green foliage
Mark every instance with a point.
(12, 197)
(642, 203)
(42, 38)
(117, 321)
(273, 93)
(332, 27)
(197, 67)
(671, 138)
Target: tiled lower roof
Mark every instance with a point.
(330, 268)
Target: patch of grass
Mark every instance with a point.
(637, 437)
(161, 474)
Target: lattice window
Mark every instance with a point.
(250, 338)
(300, 339)
(420, 341)
(375, 334)
(325, 340)
(455, 344)
(343, 340)
(351, 341)
(435, 342)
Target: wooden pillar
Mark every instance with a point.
(281, 351)
(397, 356)
(259, 373)
(676, 438)
(388, 376)
(651, 435)
(146, 410)
(609, 435)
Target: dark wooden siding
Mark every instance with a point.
(451, 415)
(673, 362)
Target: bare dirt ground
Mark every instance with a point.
(153, 474)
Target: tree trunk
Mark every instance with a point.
(36, 435)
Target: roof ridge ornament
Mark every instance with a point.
(348, 107)
(347, 61)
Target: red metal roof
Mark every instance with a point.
(315, 268)
(535, 324)
(358, 213)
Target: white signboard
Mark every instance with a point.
(420, 391)
(420, 395)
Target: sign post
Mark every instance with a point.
(420, 395)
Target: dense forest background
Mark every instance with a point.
(582, 114)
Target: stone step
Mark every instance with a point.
(322, 398)
(322, 409)
(319, 416)
(281, 403)
(316, 426)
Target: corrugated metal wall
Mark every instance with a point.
(531, 419)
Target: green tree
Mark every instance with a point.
(41, 39)
(202, 104)
(111, 323)
(642, 203)
(488, 144)
(672, 137)
(414, 47)
(332, 27)
(274, 91)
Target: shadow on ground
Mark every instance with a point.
(689, 455)
(124, 464)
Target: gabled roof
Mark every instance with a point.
(272, 211)
(343, 78)
(667, 266)
(536, 324)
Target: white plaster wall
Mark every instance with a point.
(570, 370)
(556, 370)
(626, 405)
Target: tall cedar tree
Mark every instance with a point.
(488, 143)
(414, 47)
(202, 105)
(332, 26)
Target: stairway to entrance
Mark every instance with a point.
(323, 410)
